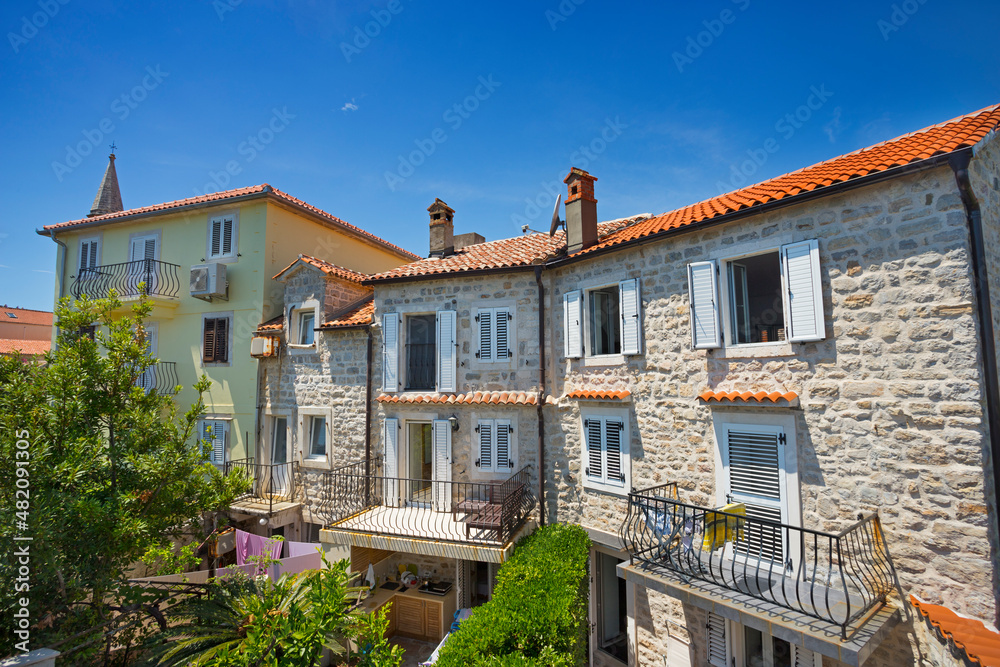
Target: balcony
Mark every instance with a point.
(364, 508)
(160, 278)
(785, 574)
(160, 378)
(272, 489)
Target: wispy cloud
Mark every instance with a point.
(4, 266)
(41, 271)
(350, 106)
(834, 127)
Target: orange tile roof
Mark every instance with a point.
(277, 324)
(980, 644)
(25, 347)
(603, 395)
(262, 190)
(26, 316)
(947, 137)
(359, 316)
(747, 397)
(327, 268)
(504, 253)
(479, 397)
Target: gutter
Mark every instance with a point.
(368, 411)
(959, 163)
(541, 395)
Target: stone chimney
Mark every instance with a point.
(442, 229)
(581, 211)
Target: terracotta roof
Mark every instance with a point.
(359, 316)
(32, 347)
(962, 132)
(327, 268)
(747, 397)
(981, 645)
(504, 253)
(263, 189)
(604, 395)
(25, 316)
(277, 324)
(489, 397)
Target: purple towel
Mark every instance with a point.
(248, 544)
(301, 548)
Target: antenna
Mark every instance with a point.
(556, 222)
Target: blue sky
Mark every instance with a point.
(351, 106)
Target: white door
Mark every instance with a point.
(142, 267)
(279, 475)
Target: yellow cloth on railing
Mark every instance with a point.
(720, 528)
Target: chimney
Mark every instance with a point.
(442, 229)
(581, 211)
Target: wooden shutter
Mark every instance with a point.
(718, 641)
(592, 428)
(753, 459)
(441, 475)
(485, 318)
(501, 342)
(703, 293)
(390, 353)
(572, 322)
(614, 473)
(803, 286)
(629, 305)
(215, 431)
(390, 462)
(88, 255)
(485, 462)
(447, 357)
(227, 236)
(502, 449)
(216, 240)
(208, 342)
(803, 657)
(222, 339)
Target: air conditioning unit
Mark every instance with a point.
(263, 346)
(208, 281)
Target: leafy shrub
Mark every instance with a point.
(538, 614)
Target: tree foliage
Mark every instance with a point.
(114, 470)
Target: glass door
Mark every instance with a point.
(419, 464)
(278, 478)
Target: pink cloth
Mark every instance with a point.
(301, 549)
(248, 544)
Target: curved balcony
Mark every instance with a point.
(160, 377)
(161, 279)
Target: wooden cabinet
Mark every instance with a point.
(423, 618)
(390, 608)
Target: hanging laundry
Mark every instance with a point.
(720, 528)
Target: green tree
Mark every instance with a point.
(112, 470)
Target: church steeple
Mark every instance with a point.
(109, 197)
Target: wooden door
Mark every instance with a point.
(410, 619)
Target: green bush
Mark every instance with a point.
(538, 614)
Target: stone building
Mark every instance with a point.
(771, 410)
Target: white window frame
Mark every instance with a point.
(586, 342)
(726, 304)
(493, 313)
(492, 470)
(736, 647)
(270, 421)
(97, 239)
(603, 484)
(227, 444)
(303, 443)
(225, 258)
(294, 328)
(229, 343)
(154, 234)
(401, 357)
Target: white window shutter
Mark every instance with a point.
(502, 449)
(441, 474)
(573, 324)
(485, 334)
(614, 472)
(501, 341)
(718, 641)
(629, 305)
(227, 236)
(593, 427)
(703, 293)
(803, 286)
(149, 249)
(803, 657)
(390, 461)
(447, 357)
(390, 353)
(216, 242)
(88, 255)
(754, 465)
(485, 462)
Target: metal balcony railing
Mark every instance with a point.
(160, 278)
(357, 498)
(420, 365)
(836, 577)
(160, 377)
(272, 482)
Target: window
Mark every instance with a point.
(317, 437)
(604, 320)
(307, 324)
(768, 297)
(426, 343)
(495, 325)
(310, 532)
(12, 315)
(215, 340)
(89, 257)
(495, 445)
(215, 435)
(425, 459)
(606, 451)
(222, 232)
(612, 612)
(734, 644)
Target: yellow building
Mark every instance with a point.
(208, 264)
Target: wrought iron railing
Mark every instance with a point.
(160, 278)
(420, 365)
(160, 377)
(272, 482)
(836, 577)
(358, 498)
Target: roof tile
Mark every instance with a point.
(747, 397)
(981, 645)
(359, 316)
(473, 398)
(598, 395)
(327, 268)
(25, 347)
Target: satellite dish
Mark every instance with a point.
(556, 222)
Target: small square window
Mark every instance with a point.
(317, 437)
(307, 325)
(12, 315)
(756, 311)
(604, 318)
(215, 340)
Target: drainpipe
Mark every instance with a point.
(959, 163)
(368, 412)
(541, 395)
(62, 266)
